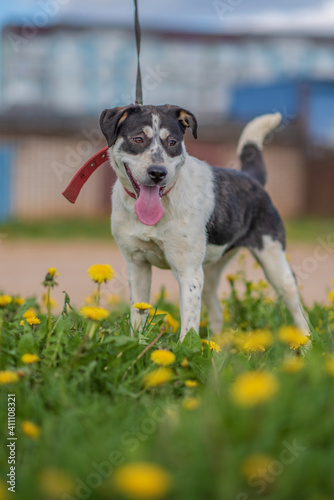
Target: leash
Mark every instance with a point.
(139, 89)
(72, 191)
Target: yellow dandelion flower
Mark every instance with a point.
(142, 481)
(52, 271)
(31, 320)
(142, 306)
(31, 312)
(56, 483)
(331, 296)
(29, 359)
(171, 323)
(213, 346)
(256, 466)
(101, 273)
(8, 377)
(191, 403)
(252, 388)
(94, 312)
(292, 365)
(231, 278)
(162, 357)
(5, 300)
(158, 377)
(256, 341)
(292, 336)
(184, 363)
(19, 301)
(191, 383)
(329, 364)
(30, 430)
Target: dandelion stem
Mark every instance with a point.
(48, 305)
(98, 294)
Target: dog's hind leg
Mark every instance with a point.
(272, 259)
(139, 277)
(212, 275)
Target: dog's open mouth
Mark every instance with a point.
(148, 206)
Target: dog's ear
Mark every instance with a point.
(187, 119)
(110, 120)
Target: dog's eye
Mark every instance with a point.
(172, 142)
(138, 140)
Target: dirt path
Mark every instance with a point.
(23, 266)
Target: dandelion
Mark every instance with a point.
(94, 312)
(252, 388)
(191, 403)
(31, 320)
(213, 346)
(162, 357)
(158, 377)
(292, 365)
(331, 296)
(5, 300)
(30, 430)
(142, 480)
(56, 483)
(142, 307)
(29, 359)
(19, 301)
(8, 377)
(256, 341)
(329, 364)
(101, 273)
(52, 271)
(184, 363)
(191, 383)
(292, 336)
(256, 466)
(31, 312)
(231, 278)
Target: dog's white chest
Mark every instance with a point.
(147, 249)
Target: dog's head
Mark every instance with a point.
(147, 151)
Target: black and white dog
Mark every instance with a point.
(176, 212)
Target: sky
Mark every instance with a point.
(206, 16)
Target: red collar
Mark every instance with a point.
(83, 174)
(73, 189)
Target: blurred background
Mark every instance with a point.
(64, 61)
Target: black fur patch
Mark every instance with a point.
(243, 212)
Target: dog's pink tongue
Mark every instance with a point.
(148, 207)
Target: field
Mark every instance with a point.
(103, 414)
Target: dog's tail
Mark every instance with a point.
(251, 142)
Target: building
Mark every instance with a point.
(56, 81)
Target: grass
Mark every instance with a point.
(305, 230)
(220, 439)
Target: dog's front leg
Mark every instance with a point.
(139, 277)
(191, 285)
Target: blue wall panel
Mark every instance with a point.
(6, 157)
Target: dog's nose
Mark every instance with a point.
(157, 173)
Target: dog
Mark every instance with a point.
(174, 211)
